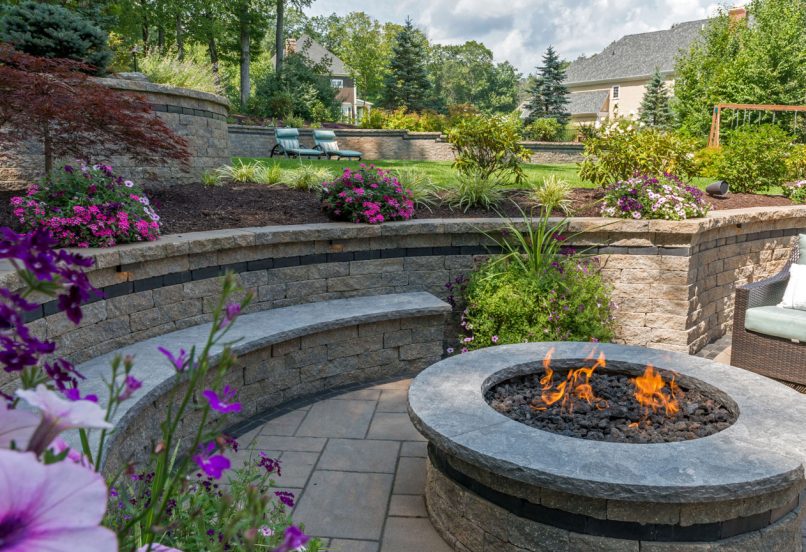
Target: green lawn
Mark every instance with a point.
(441, 172)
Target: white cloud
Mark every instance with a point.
(520, 30)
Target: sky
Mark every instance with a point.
(519, 31)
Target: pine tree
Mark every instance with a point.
(654, 110)
(407, 83)
(549, 96)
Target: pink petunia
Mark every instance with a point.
(56, 507)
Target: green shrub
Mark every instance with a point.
(307, 177)
(796, 191)
(52, 31)
(488, 147)
(754, 158)
(373, 118)
(544, 130)
(268, 174)
(623, 149)
(299, 91)
(292, 121)
(401, 119)
(211, 178)
(185, 73)
(475, 190)
(241, 172)
(796, 162)
(424, 191)
(536, 291)
(553, 193)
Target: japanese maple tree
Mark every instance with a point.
(55, 102)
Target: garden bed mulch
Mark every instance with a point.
(192, 207)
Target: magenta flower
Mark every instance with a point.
(179, 361)
(495, 339)
(269, 464)
(293, 539)
(131, 384)
(212, 465)
(285, 497)
(60, 415)
(56, 507)
(219, 402)
(231, 312)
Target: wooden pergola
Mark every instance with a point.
(716, 119)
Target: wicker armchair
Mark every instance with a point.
(770, 356)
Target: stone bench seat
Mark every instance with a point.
(282, 354)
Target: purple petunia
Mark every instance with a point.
(293, 539)
(213, 465)
(285, 497)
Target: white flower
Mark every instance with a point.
(60, 415)
(144, 200)
(17, 426)
(128, 183)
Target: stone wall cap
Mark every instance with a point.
(146, 87)
(249, 333)
(763, 451)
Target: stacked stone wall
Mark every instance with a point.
(199, 118)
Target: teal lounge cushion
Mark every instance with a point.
(777, 322)
(346, 153)
(304, 151)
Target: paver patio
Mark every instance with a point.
(357, 467)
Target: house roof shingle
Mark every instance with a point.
(586, 103)
(317, 53)
(636, 55)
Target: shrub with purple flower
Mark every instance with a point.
(369, 195)
(796, 191)
(88, 206)
(646, 197)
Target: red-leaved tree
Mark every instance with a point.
(54, 102)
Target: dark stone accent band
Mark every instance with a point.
(580, 523)
(155, 282)
(167, 108)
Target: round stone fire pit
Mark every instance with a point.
(495, 483)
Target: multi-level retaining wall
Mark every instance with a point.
(673, 282)
(198, 117)
(257, 141)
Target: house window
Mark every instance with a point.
(337, 83)
(615, 92)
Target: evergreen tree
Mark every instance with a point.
(655, 110)
(53, 31)
(549, 96)
(407, 83)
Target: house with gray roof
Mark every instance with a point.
(614, 80)
(352, 107)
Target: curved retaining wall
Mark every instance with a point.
(673, 282)
(198, 117)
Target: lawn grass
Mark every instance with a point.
(442, 173)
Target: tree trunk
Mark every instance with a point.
(48, 150)
(244, 27)
(279, 43)
(211, 47)
(144, 9)
(161, 39)
(180, 39)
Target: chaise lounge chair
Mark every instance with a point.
(288, 144)
(326, 142)
(767, 339)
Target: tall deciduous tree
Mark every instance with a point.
(760, 59)
(279, 37)
(407, 83)
(654, 110)
(54, 102)
(549, 95)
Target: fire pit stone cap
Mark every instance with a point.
(763, 451)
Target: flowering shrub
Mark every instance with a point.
(796, 191)
(654, 198)
(367, 195)
(63, 502)
(538, 290)
(88, 207)
(624, 148)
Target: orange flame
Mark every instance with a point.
(649, 392)
(650, 389)
(576, 384)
